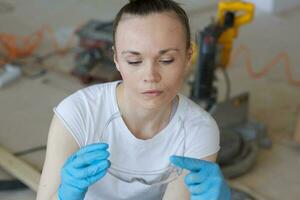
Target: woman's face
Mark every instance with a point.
(151, 55)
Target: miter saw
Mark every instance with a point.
(94, 59)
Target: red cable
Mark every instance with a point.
(249, 66)
(28, 44)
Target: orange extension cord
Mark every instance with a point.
(16, 47)
(255, 75)
(30, 43)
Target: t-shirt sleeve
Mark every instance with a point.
(71, 111)
(203, 137)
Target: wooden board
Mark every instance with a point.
(297, 128)
(19, 169)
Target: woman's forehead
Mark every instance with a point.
(157, 30)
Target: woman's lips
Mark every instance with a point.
(152, 93)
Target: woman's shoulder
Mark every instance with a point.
(93, 93)
(90, 97)
(194, 113)
(97, 90)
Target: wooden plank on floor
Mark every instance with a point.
(19, 169)
(297, 128)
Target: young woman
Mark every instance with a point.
(128, 139)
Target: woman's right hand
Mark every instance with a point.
(82, 169)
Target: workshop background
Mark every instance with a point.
(40, 60)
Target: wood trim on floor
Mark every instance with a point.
(19, 169)
(297, 127)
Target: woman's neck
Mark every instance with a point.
(143, 123)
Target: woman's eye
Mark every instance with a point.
(134, 62)
(167, 61)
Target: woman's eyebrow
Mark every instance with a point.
(131, 52)
(163, 51)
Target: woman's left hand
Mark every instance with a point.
(205, 180)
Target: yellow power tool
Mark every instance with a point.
(213, 47)
(239, 136)
(243, 13)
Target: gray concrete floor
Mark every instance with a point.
(26, 105)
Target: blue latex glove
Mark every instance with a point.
(82, 169)
(205, 180)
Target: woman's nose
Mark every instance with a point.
(152, 73)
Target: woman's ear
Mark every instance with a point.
(115, 58)
(190, 53)
(189, 57)
(189, 61)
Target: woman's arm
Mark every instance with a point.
(205, 180)
(177, 189)
(60, 146)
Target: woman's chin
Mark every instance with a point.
(151, 103)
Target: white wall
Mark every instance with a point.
(283, 5)
(265, 5)
(196, 4)
(275, 5)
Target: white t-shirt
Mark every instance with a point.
(191, 132)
